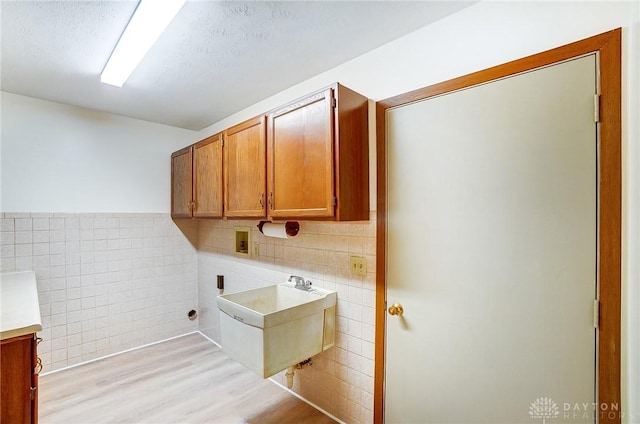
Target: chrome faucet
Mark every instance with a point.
(300, 282)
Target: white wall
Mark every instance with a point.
(85, 204)
(488, 34)
(60, 158)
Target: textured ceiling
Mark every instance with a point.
(214, 59)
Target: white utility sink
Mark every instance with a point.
(272, 328)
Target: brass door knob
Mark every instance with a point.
(396, 309)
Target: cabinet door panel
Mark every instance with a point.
(16, 363)
(301, 158)
(245, 174)
(207, 177)
(181, 185)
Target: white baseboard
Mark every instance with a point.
(119, 353)
(313, 405)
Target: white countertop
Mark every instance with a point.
(19, 306)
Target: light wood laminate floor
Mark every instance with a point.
(184, 380)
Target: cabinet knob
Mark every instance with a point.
(271, 200)
(262, 200)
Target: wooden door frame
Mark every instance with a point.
(608, 45)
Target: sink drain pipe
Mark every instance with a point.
(290, 371)
(289, 374)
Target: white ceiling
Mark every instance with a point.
(214, 59)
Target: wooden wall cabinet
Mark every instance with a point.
(182, 183)
(306, 160)
(318, 157)
(244, 169)
(196, 180)
(19, 386)
(207, 178)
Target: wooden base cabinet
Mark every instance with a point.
(196, 180)
(318, 157)
(19, 380)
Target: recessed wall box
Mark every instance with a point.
(242, 240)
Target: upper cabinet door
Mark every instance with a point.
(300, 158)
(318, 157)
(207, 178)
(181, 183)
(244, 169)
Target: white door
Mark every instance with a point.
(491, 251)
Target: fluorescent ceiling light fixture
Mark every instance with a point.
(147, 23)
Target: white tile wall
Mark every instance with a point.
(106, 282)
(340, 379)
(110, 282)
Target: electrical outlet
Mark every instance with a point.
(358, 266)
(256, 250)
